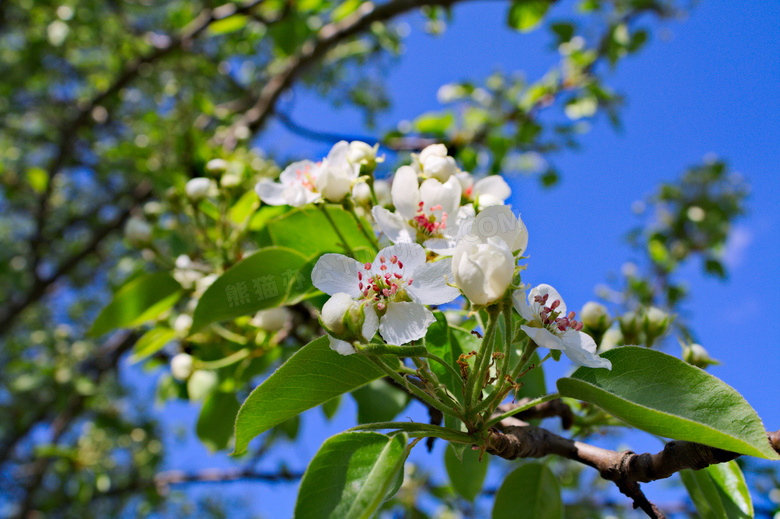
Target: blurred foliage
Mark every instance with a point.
(108, 109)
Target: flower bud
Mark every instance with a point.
(611, 340)
(216, 166)
(182, 324)
(181, 366)
(435, 163)
(630, 327)
(229, 180)
(334, 313)
(334, 182)
(383, 192)
(137, 231)
(361, 193)
(362, 153)
(595, 316)
(483, 271)
(656, 322)
(197, 188)
(272, 319)
(696, 354)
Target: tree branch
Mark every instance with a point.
(516, 439)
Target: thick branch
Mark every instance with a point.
(626, 469)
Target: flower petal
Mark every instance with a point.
(581, 350)
(405, 322)
(552, 294)
(411, 255)
(405, 192)
(339, 346)
(336, 273)
(270, 192)
(392, 225)
(430, 283)
(447, 195)
(371, 322)
(525, 311)
(297, 171)
(543, 338)
(494, 186)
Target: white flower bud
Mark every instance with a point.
(216, 166)
(483, 271)
(181, 366)
(595, 316)
(361, 193)
(198, 188)
(361, 153)
(182, 324)
(696, 354)
(656, 322)
(138, 231)
(229, 180)
(611, 340)
(272, 319)
(334, 183)
(334, 310)
(435, 163)
(434, 150)
(383, 192)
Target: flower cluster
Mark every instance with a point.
(446, 234)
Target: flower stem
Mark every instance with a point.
(349, 206)
(481, 363)
(520, 409)
(344, 243)
(419, 393)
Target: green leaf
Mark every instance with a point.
(215, 423)
(244, 207)
(308, 231)
(330, 407)
(467, 474)
(719, 491)
(151, 342)
(260, 281)
(663, 395)
(530, 492)
(314, 375)
(434, 122)
(525, 15)
(379, 402)
(140, 300)
(228, 25)
(350, 476)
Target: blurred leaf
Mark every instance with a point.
(663, 395)
(525, 15)
(228, 25)
(530, 492)
(140, 300)
(215, 423)
(151, 342)
(467, 473)
(313, 376)
(350, 475)
(434, 122)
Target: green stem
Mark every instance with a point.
(227, 361)
(530, 348)
(444, 363)
(474, 384)
(415, 429)
(419, 393)
(344, 243)
(520, 409)
(349, 206)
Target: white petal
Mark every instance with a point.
(521, 239)
(494, 186)
(543, 338)
(297, 171)
(405, 322)
(342, 347)
(411, 255)
(405, 192)
(545, 289)
(296, 195)
(527, 313)
(338, 153)
(270, 192)
(392, 225)
(447, 195)
(581, 350)
(430, 283)
(441, 246)
(336, 273)
(498, 221)
(371, 324)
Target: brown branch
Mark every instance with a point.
(326, 39)
(544, 410)
(626, 469)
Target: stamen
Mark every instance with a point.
(393, 259)
(367, 266)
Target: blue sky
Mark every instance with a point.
(706, 84)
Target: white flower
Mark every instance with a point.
(363, 153)
(336, 173)
(198, 188)
(138, 231)
(296, 186)
(422, 213)
(487, 191)
(181, 366)
(182, 324)
(361, 193)
(215, 166)
(494, 221)
(272, 319)
(595, 316)
(483, 271)
(382, 192)
(435, 163)
(550, 327)
(396, 285)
